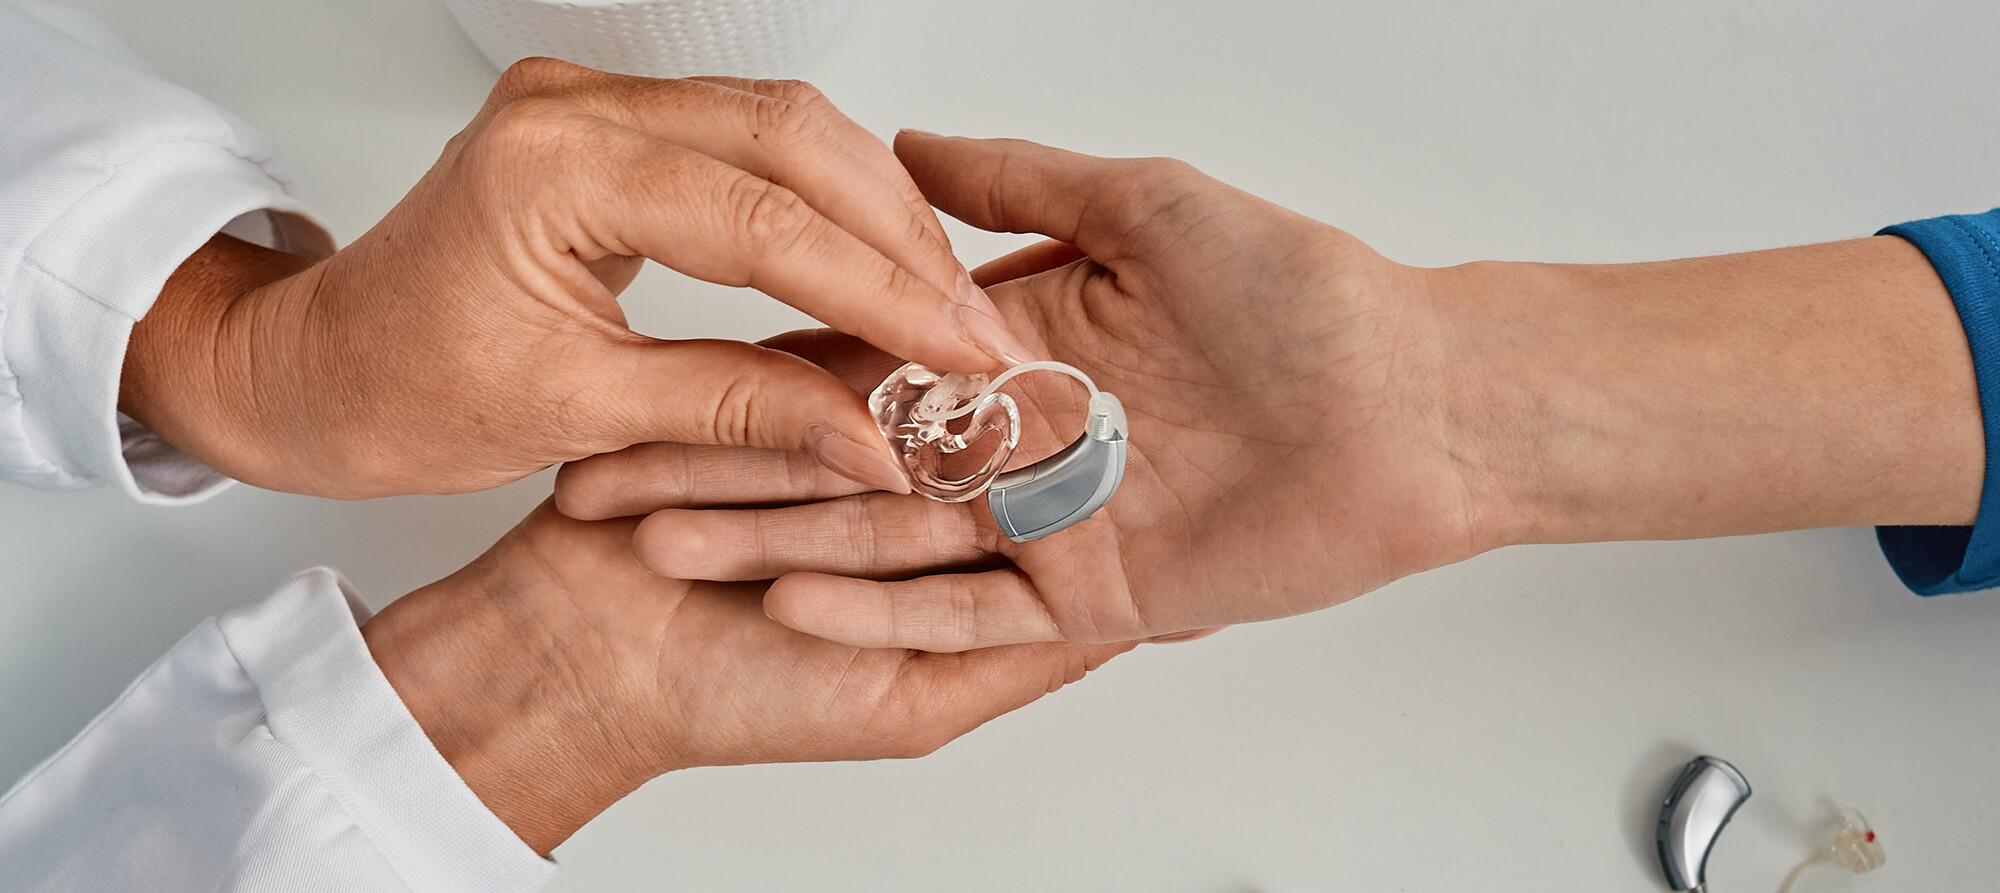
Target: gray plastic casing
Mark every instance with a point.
(1064, 489)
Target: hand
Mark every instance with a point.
(1284, 450)
(1310, 421)
(556, 675)
(474, 336)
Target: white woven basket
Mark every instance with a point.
(656, 38)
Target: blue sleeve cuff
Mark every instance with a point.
(1965, 249)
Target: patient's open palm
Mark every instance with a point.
(1282, 456)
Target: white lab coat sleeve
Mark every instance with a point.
(109, 179)
(266, 751)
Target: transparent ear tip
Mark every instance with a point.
(934, 420)
(1855, 847)
(917, 409)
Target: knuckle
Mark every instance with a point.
(1161, 171)
(1146, 188)
(959, 611)
(793, 91)
(537, 127)
(733, 413)
(1068, 671)
(741, 412)
(800, 473)
(897, 290)
(536, 75)
(974, 534)
(773, 218)
(918, 231)
(901, 292)
(856, 518)
(779, 122)
(679, 475)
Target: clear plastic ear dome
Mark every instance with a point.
(952, 430)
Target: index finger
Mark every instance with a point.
(927, 251)
(1016, 186)
(714, 221)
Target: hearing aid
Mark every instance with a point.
(916, 408)
(1700, 803)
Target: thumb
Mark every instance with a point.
(729, 393)
(1017, 186)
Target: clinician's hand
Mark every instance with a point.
(1310, 421)
(1278, 461)
(556, 675)
(474, 336)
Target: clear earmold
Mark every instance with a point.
(918, 409)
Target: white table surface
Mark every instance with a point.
(1505, 724)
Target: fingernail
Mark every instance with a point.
(915, 132)
(1185, 636)
(971, 295)
(854, 461)
(980, 321)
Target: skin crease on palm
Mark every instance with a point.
(1310, 421)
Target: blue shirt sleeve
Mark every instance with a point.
(1965, 249)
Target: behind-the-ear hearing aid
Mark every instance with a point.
(915, 405)
(1700, 803)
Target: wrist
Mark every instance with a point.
(504, 702)
(1499, 391)
(1469, 396)
(1826, 385)
(187, 372)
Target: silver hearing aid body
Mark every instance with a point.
(1697, 807)
(1033, 502)
(914, 405)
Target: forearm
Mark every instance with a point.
(1818, 386)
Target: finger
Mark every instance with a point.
(938, 698)
(788, 133)
(716, 222)
(767, 111)
(848, 358)
(648, 477)
(948, 612)
(1040, 257)
(1019, 186)
(733, 394)
(863, 536)
(783, 130)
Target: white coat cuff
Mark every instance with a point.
(90, 282)
(328, 702)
